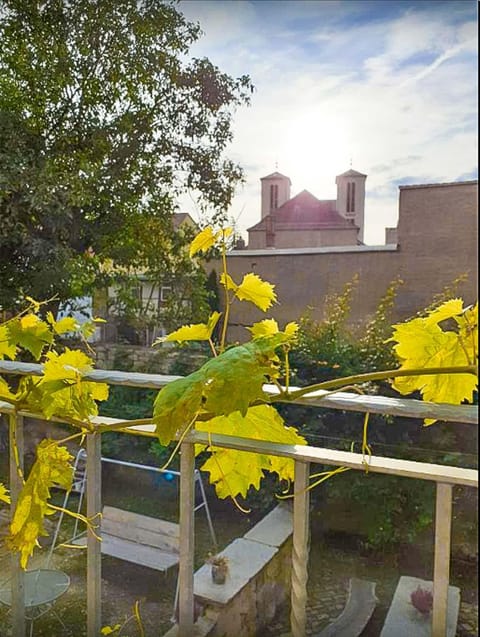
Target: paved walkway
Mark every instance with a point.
(328, 595)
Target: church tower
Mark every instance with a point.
(275, 192)
(351, 198)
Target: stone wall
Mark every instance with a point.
(437, 242)
(157, 360)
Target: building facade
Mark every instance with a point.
(436, 242)
(303, 221)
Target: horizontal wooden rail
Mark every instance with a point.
(317, 455)
(344, 401)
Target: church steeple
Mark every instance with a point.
(351, 197)
(275, 192)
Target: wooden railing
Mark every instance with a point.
(445, 478)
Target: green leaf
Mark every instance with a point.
(176, 405)
(230, 382)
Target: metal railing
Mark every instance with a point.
(445, 477)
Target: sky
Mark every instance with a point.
(388, 88)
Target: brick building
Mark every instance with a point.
(436, 241)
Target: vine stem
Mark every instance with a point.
(383, 375)
(227, 299)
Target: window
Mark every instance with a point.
(351, 197)
(165, 293)
(138, 292)
(273, 197)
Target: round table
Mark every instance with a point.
(42, 586)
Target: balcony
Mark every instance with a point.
(444, 477)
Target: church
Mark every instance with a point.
(304, 221)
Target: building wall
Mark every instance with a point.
(305, 238)
(437, 242)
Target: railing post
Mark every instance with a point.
(94, 553)
(301, 526)
(187, 546)
(441, 569)
(18, 578)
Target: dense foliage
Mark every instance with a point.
(104, 120)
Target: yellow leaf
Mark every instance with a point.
(51, 468)
(67, 366)
(264, 328)
(196, 332)
(422, 343)
(291, 329)
(447, 310)
(4, 497)
(66, 324)
(203, 241)
(108, 630)
(7, 348)
(258, 292)
(226, 280)
(29, 320)
(234, 472)
(5, 393)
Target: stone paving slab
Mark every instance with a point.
(404, 620)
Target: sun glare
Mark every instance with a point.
(315, 149)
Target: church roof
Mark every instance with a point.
(305, 212)
(351, 173)
(276, 175)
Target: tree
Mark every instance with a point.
(104, 121)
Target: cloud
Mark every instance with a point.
(390, 85)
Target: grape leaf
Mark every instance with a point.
(4, 497)
(264, 328)
(203, 241)
(7, 348)
(196, 332)
(65, 324)
(5, 392)
(269, 327)
(226, 280)
(62, 391)
(234, 472)
(30, 333)
(422, 342)
(51, 468)
(258, 292)
(230, 382)
(176, 405)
